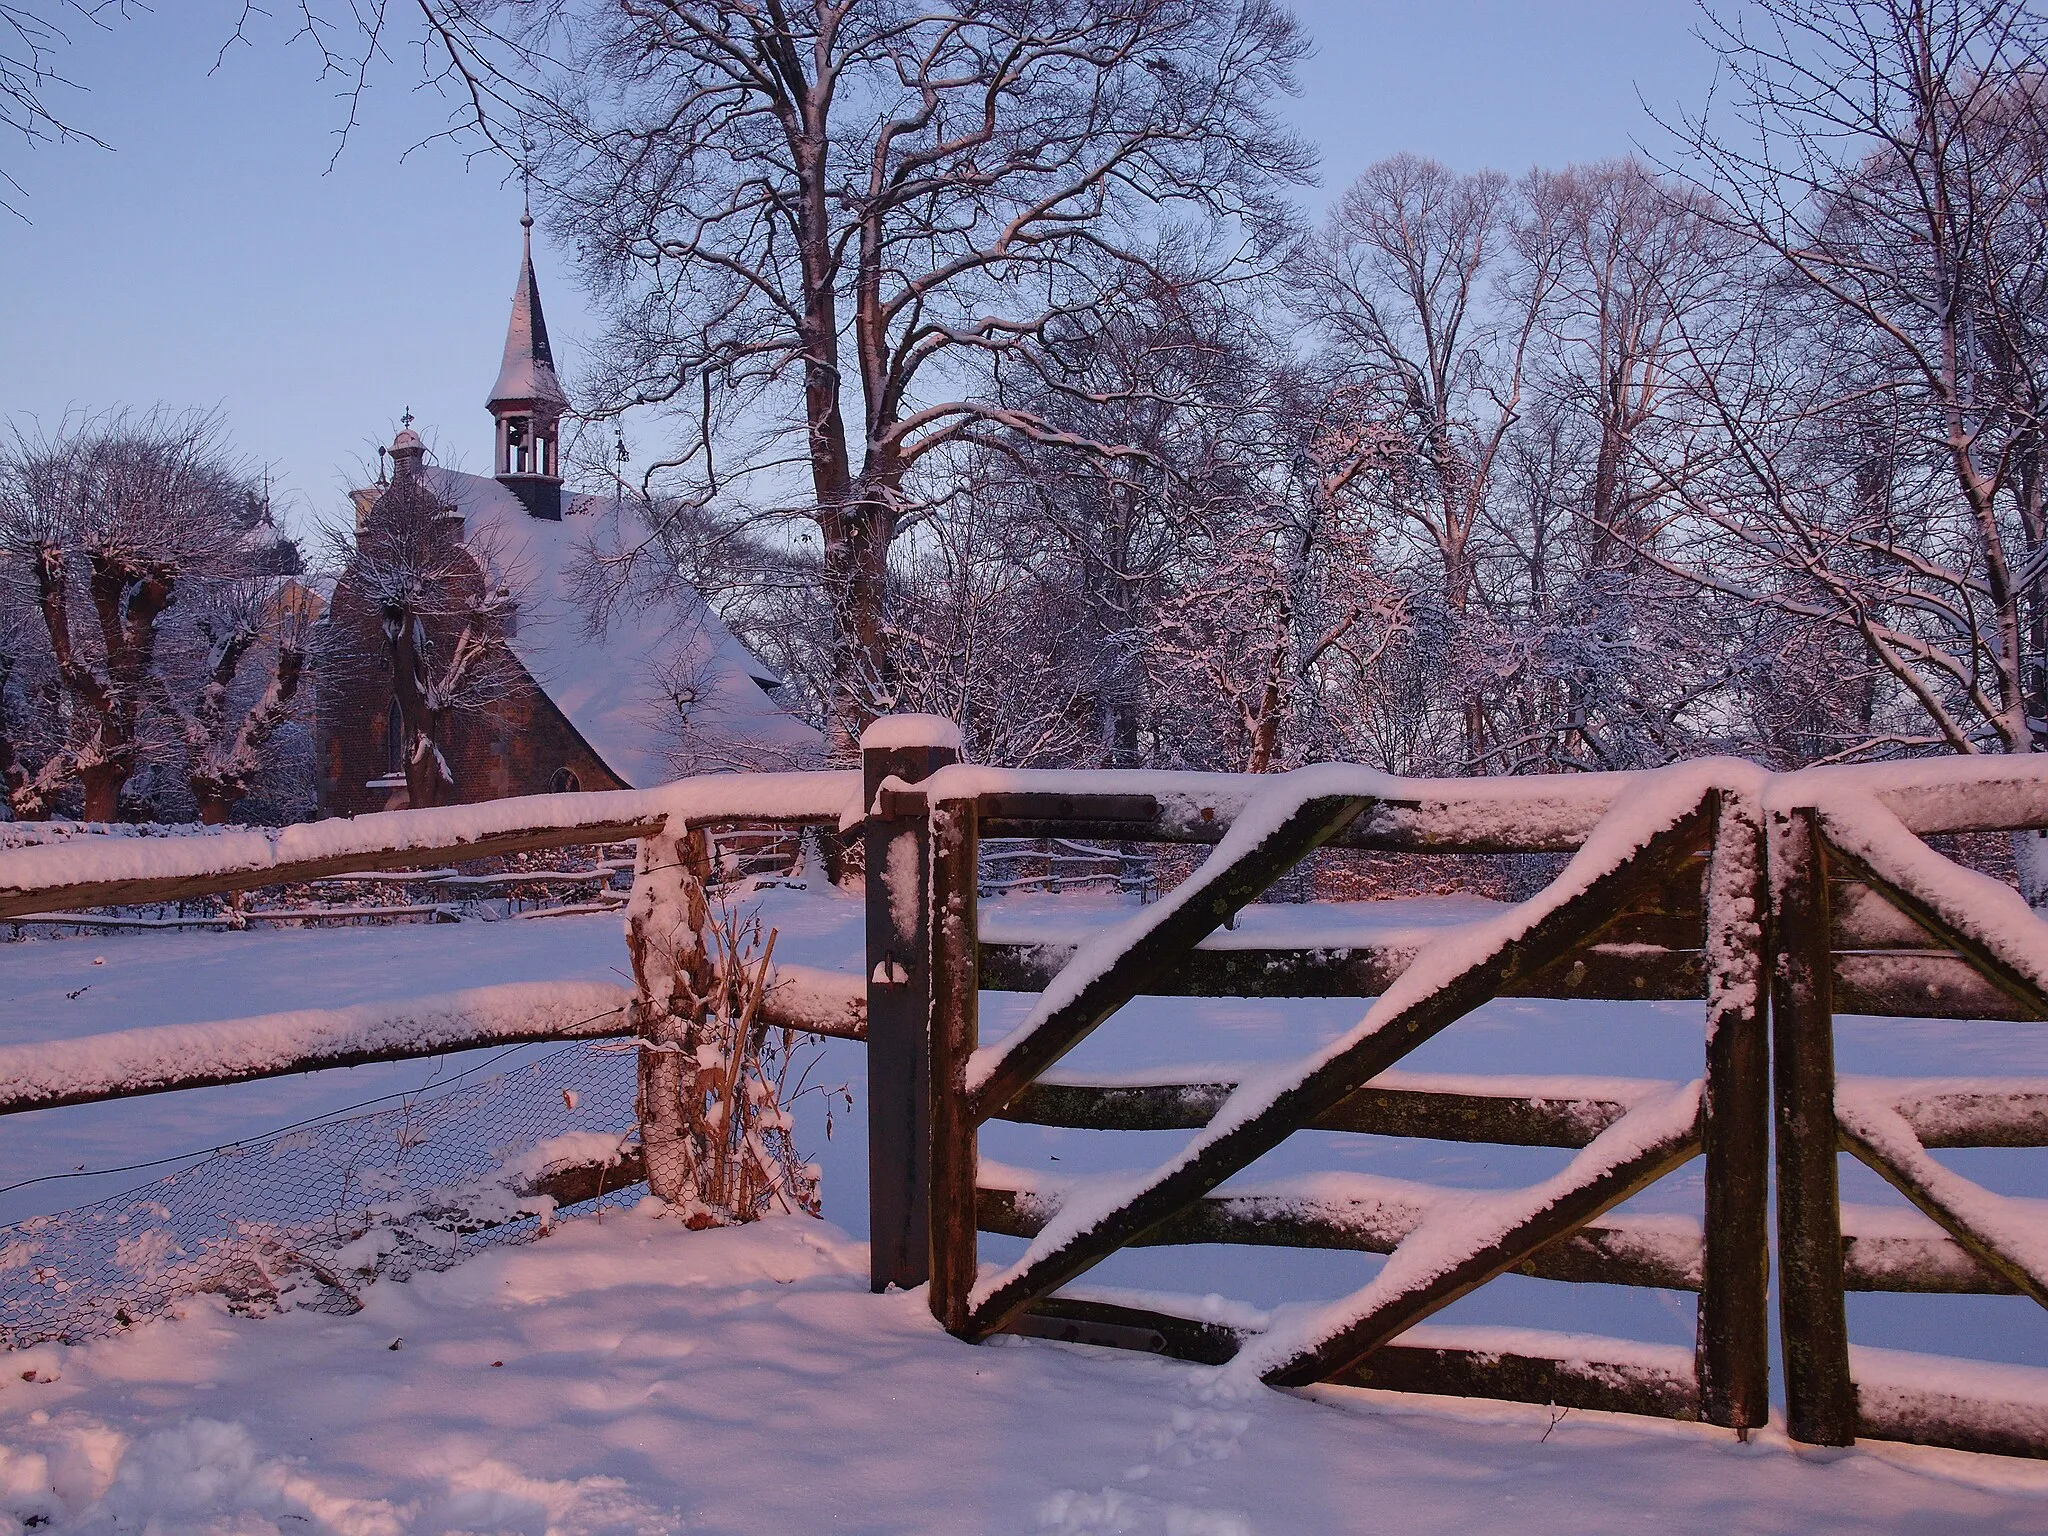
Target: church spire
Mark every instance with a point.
(528, 399)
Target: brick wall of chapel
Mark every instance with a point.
(514, 746)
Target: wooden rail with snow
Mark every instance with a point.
(118, 871)
(1685, 883)
(97, 870)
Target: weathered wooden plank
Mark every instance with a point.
(1732, 1358)
(169, 1058)
(1617, 1252)
(1607, 892)
(1820, 1398)
(1929, 1264)
(1983, 1245)
(955, 999)
(899, 1017)
(1066, 813)
(1948, 1114)
(91, 871)
(1531, 815)
(60, 896)
(1430, 1289)
(1604, 1386)
(1072, 1320)
(1887, 983)
(1438, 1115)
(1524, 815)
(1879, 865)
(1861, 918)
(1626, 972)
(1922, 984)
(1972, 794)
(1611, 1386)
(1609, 1251)
(1936, 1413)
(165, 1058)
(1209, 897)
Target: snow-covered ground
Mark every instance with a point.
(633, 1377)
(656, 1379)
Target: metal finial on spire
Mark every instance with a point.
(406, 419)
(526, 183)
(619, 435)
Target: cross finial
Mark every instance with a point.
(407, 417)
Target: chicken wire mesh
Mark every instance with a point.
(307, 1218)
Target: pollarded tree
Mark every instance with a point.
(104, 526)
(226, 733)
(827, 228)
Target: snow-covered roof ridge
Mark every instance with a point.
(657, 689)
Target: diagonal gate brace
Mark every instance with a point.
(1610, 874)
(1163, 939)
(1448, 1256)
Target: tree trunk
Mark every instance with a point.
(2030, 859)
(102, 783)
(857, 541)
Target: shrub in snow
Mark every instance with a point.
(714, 1079)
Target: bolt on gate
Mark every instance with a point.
(1776, 899)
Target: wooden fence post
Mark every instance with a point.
(956, 985)
(666, 919)
(911, 748)
(1820, 1398)
(1733, 1354)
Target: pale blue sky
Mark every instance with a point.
(213, 259)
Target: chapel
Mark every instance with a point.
(595, 694)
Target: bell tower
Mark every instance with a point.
(528, 400)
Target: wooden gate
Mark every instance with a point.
(1764, 895)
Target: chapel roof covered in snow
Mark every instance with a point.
(658, 689)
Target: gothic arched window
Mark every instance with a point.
(565, 782)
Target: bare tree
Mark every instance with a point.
(121, 516)
(224, 732)
(1412, 278)
(1887, 467)
(829, 230)
(33, 36)
(1587, 655)
(1432, 286)
(427, 608)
